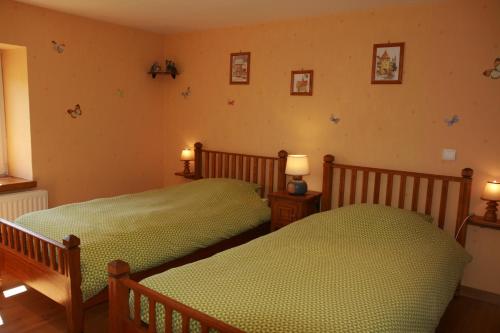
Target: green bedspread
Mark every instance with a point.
(362, 268)
(150, 228)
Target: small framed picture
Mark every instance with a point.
(301, 83)
(239, 72)
(387, 63)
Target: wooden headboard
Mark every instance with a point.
(415, 191)
(268, 172)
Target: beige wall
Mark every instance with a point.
(120, 143)
(448, 46)
(115, 147)
(17, 111)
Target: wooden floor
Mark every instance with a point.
(33, 312)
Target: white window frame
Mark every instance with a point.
(3, 129)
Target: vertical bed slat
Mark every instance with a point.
(247, 168)
(168, 320)
(11, 237)
(137, 309)
(185, 324)
(53, 262)
(226, 166)
(233, 166)
(60, 258)
(207, 164)
(22, 242)
(341, 187)
(376, 188)
(442, 205)
(212, 171)
(30, 247)
(402, 192)
(152, 316)
(270, 186)
(364, 193)
(255, 172)
(219, 165)
(430, 193)
(3, 230)
(240, 167)
(16, 240)
(262, 177)
(354, 176)
(416, 192)
(36, 249)
(388, 192)
(45, 254)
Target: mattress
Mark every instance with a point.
(150, 228)
(361, 268)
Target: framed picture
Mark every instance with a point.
(387, 63)
(301, 83)
(239, 72)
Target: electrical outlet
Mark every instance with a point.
(449, 154)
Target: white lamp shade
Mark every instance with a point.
(297, 165)
(491, 191)
(187, 155)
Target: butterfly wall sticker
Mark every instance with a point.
(76, 112)
(452, 121)
(493, 73)
(186, 93)
(58, 47)
(334, 119)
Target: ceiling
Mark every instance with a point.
(168, 16)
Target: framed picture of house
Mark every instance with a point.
(301, 83)
(239, 72)
(387, 63)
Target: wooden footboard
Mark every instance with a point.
(120, 320)
(53, 268)
(50, 267)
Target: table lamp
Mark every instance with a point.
(297, 166)
(186, 156)
(491, 194)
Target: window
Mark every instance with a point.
(3, 131)
(15, 133)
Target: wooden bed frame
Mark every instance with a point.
(350, 177)
(54, 269)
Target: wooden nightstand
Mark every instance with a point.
(191, 175)
(287, 208)
(479, 221)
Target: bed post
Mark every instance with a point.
(282, 156)
(74, 302)
(118, 294)
(464, 205)
(326, 197)
(198, 157)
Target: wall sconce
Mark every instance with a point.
(297, 166)
(491, 194)
(186, 156)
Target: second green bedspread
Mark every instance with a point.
(362, 268)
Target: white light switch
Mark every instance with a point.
(449, 154)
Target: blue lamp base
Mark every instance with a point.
(297, 186)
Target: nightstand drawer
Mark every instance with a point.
(286, 208)
(284, 212)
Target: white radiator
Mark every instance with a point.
(13, 205)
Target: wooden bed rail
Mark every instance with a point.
(262, 170)
(350, 176)
(119, 310)
(48, 266)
